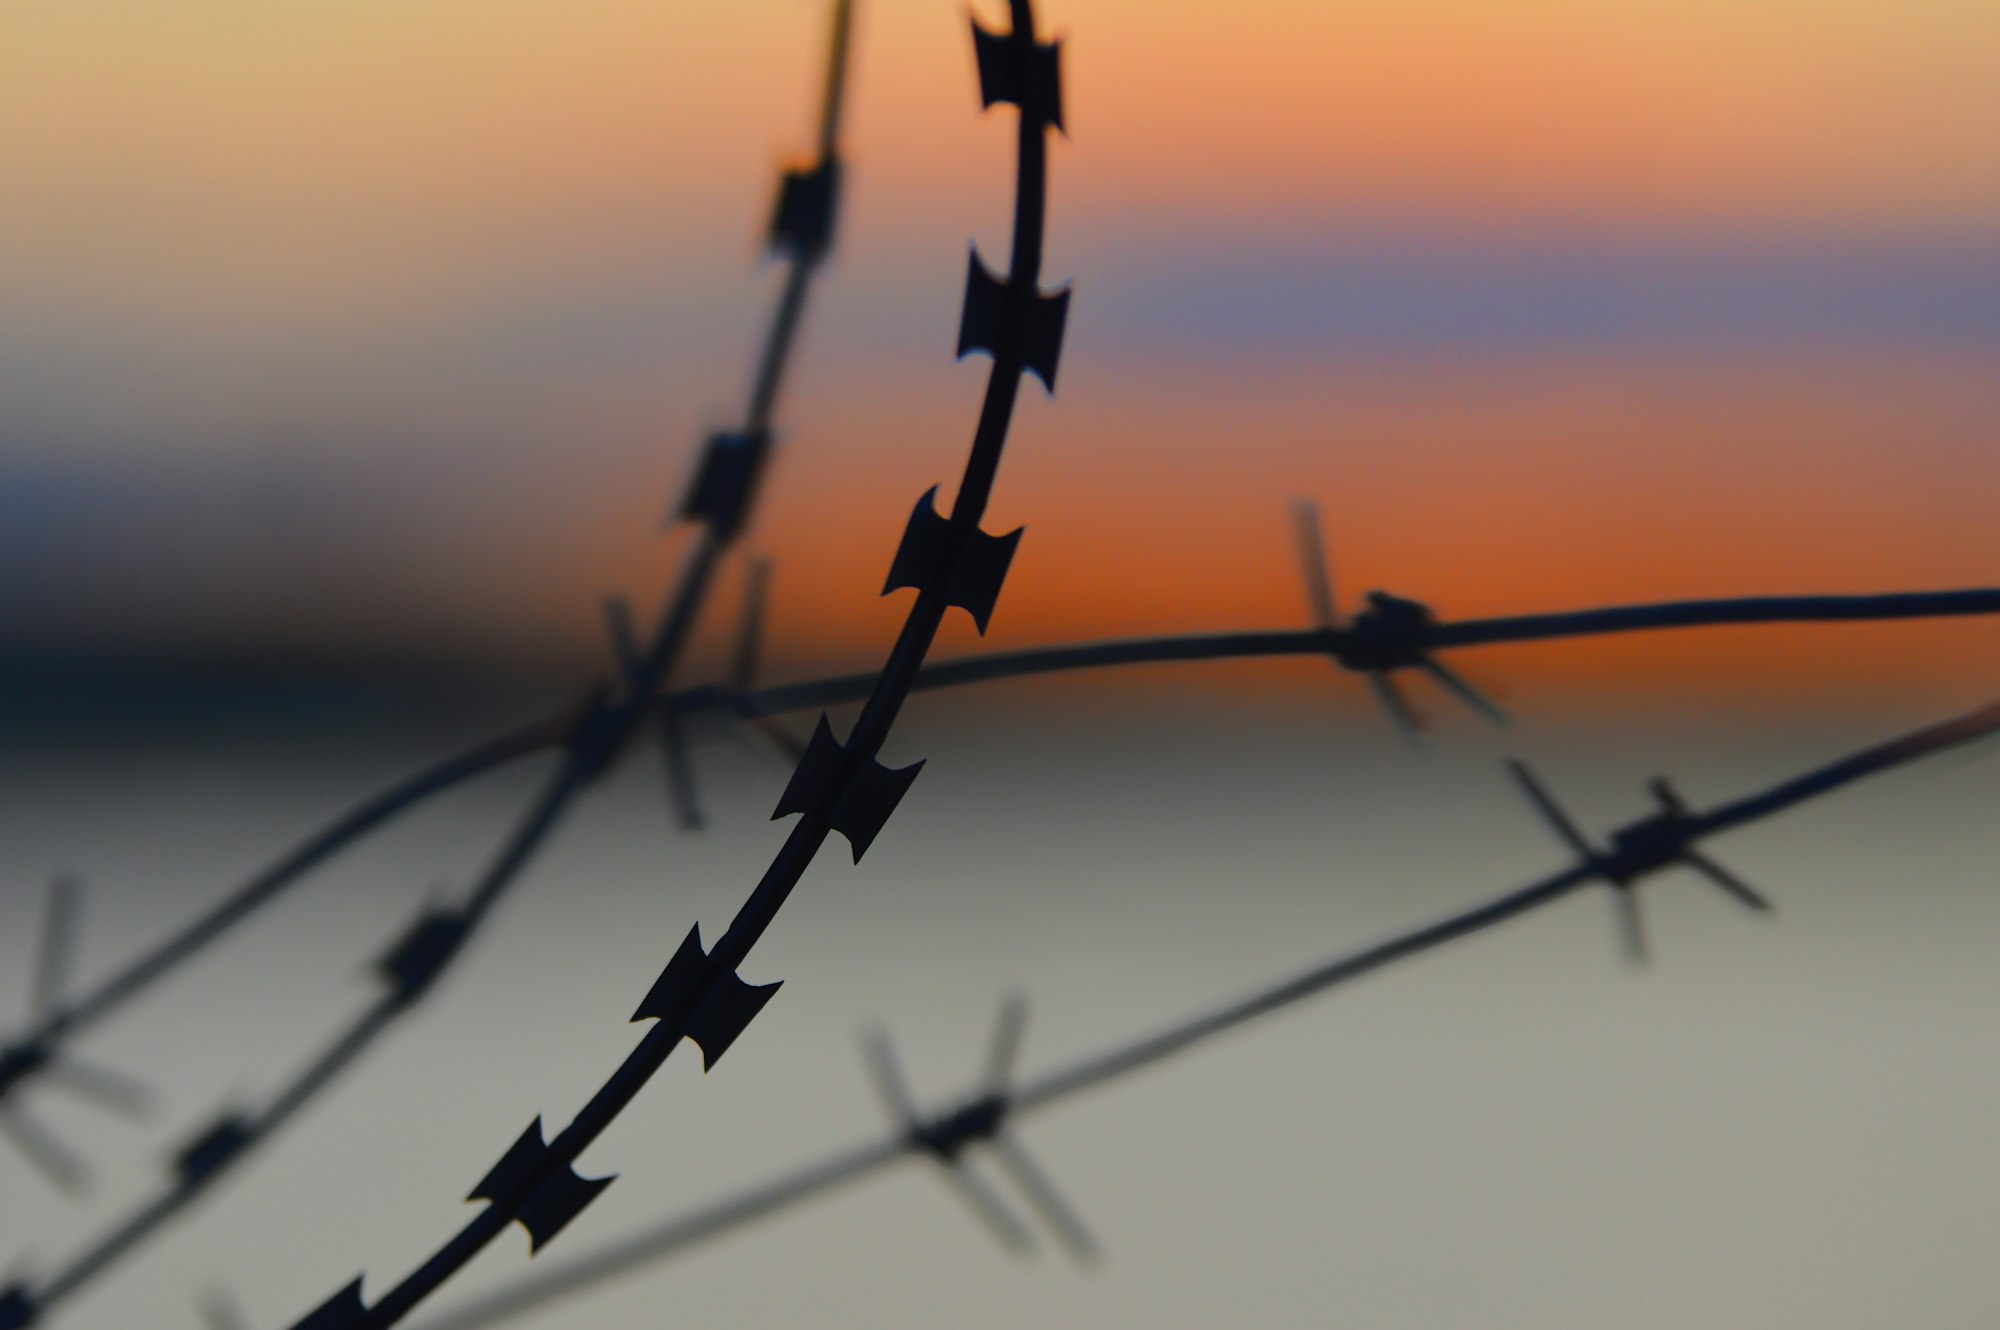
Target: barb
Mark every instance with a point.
(1436, 636)
(1385, 637)
(33, 1050)
(592, 738)
(946, 1139)
(949, 560)
(981, 1116)
(837, 786)
(946, 1148)
(110, 1090)
(30, 1052)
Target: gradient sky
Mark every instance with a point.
(354, 335)
(367, 332)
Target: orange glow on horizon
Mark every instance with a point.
(1155, 508)
(308, 213)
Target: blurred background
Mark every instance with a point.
(349, 355)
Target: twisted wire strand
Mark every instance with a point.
(68, 1021)
(592, 736)
(666, 1237)
(992, 667)
(599, 730)
(838, 786)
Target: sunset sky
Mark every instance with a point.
(354, 332)
(359, 350)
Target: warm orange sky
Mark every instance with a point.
(1656, 112)
(364, 324)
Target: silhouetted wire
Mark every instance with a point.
(68, 1020)
(1264, 644)
(968, 1122)
(605, 729)
(720, 497)
(837, 786)
(32, 1051)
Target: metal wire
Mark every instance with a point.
(959, 1124)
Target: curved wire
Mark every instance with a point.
(1268, 643)
(592, 737)
(71, 1019)
(838, 786)
(24, 1052)
(666, 1237)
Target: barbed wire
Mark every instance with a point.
(837, 786)
(592, 735)
(1374, 644)
(1367, 638)
(948, 1134)
(1379, 641)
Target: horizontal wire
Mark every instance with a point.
(832, 777)
(905, 673)
(551, 732)
(594, 734)
(664, 1238)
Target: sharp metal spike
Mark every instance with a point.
(679, 767)
(808, 197)
(213, 1149)
(1014, 67)
(1728, 881)
(717, 1008)
(58, 952)
(1551, 812)
(1028, 328)
(544, 1194)
(984, 1202)
(857, 800)
(1005, 1049)
(725, 480)
(971, 570)
(1398, 706)
(887, 1074)
(1042, 1194)
(18, 1309)
(413, 962)
(61, 1165)
(1466, 693)
(1666, 795)
(1631, 924)
(750, 632)
(726, 1013)
(114, 1090)
(1313, 563)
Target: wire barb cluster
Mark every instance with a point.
(1388, 635)
(982, 1117)
(982, 1120)
(843, 786)
(838, 786)
(591, 736)
(45, 1059)
(1639, 850)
